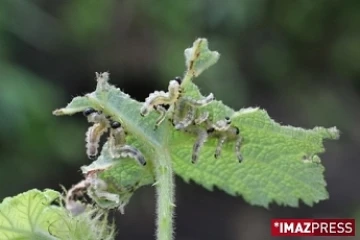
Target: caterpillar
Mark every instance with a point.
(223, 130)
(94, 132)
(158, 98)
(199, 102)
(118, 147)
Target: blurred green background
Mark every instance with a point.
(300, 60)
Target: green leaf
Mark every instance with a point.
(123, 177)
(281, 163)
(198, 58)
(30, 215)
(275, 166)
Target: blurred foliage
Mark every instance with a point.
(298, 59)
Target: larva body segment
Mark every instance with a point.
(155, 98)
(72, 205)
(182, 122)
(129, 151)
(202, 118)
(237, 148)
(160, 109)
(219, 146)
(174, 91)
(92, 138)
(117, 135)
(96, 117)
(199, 102)
(94, 133)
(201, 139)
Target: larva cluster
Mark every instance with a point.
(185, 115)
(117, 137)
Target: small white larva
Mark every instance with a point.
(162, 98)
(117, 134)
(225, 132)
(198, 102)
(160, 109)
(118, 147)
(94, 132)
(92, 139)
(131, 152)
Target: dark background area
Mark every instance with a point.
(300, 60)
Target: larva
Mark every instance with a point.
(92, 138)
(201, 139)
(94, 132)
(223, 130)
(162, 98)
(131, 152)
(118, 147)
(199, 102)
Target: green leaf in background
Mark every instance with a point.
(30, 215)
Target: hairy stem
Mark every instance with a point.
(187, 78)
(165, 188)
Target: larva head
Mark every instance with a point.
(145, 109)
(174, 85)
(227, 120)
(210, 130)
(178, 79)
(211, 97)
(87, 112)
(115, 124)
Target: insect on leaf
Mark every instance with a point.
(280, 164)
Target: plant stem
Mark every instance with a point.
(187, 79)
(165, 188)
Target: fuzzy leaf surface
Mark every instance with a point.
(30, 215)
